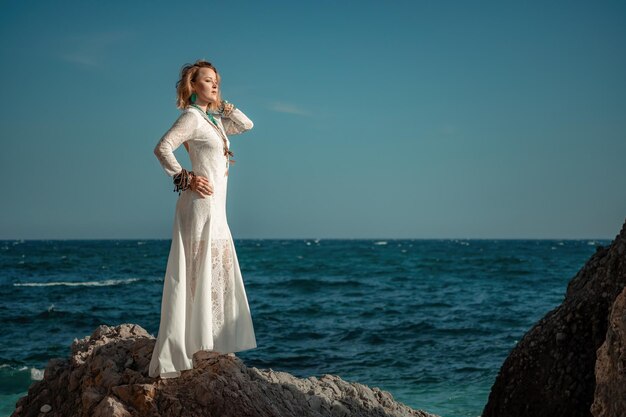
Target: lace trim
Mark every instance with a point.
(222, 284)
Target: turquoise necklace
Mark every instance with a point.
(207, 113)
(227, 152)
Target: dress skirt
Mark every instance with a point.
(204, 304)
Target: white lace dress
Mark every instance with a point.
(204, 304)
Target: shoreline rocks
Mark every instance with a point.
(553, 370)
(107, 375)
(610, 393)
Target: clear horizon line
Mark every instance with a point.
(328, 238)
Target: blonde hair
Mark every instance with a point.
(189, 73)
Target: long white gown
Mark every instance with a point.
(204, 304)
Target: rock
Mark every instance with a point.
(107, 375)
(551, 371)
(610, 393)
(110, 407)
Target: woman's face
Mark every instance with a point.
(205, 86)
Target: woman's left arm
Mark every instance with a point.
(236, 122)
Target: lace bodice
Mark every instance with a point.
(205, 140)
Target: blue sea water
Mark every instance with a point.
(430, 321)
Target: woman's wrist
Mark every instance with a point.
(182, 180)
(226, 108)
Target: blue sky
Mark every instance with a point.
(416, 119)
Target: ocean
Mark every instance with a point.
(430, 321)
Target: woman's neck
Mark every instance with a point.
(204, 106)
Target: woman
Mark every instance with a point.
(204, 305)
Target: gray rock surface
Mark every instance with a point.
(610, 394)
(550, 373)
(107, 375)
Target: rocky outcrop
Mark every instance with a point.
(107, 375)
(610, 395)
(550, 373)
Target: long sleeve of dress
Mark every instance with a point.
(181, 130)
(236, 122)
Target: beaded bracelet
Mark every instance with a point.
(182, 180)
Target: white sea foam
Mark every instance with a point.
(36, 374)
(105, 283)
(382, 242)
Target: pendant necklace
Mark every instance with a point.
(207, 113)
(227, 152)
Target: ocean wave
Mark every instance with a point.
(105, 283)
(318, 284)
(55, 320)
(15, 379)
(36, 374)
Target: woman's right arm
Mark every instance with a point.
(180, 132)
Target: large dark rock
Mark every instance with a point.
(107, 375)
(610, 396)
(551, 370)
